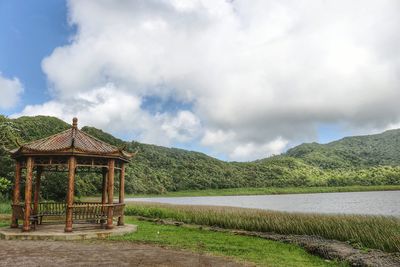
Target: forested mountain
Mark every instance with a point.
(357, 151)
(354, 160)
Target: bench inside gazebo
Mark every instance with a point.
(70, 151)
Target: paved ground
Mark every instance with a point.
(99, 253)
(56, 232)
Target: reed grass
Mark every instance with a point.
(378, 232)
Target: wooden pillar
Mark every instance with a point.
(16, 192)
(70, 193)
(39, 171)
(121, 192)
(111, 166)
(104, 193)
(28, 194)
(104, 188)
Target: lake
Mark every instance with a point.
(371, 203)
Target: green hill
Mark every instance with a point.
(358, 151)
(361, 160)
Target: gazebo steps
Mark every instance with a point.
(56, 232)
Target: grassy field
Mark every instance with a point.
(366, 231)
(271, 191)
(250, 249)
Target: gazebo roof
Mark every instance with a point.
(71, 141)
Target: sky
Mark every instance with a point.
(239, 80)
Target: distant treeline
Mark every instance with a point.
(369, 160)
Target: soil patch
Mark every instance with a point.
(100, 253)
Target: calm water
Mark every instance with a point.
(374, 203)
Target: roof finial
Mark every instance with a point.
(75, 123)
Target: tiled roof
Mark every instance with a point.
(72, 140)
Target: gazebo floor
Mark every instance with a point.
(56, 232)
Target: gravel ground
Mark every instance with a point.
(100, 253)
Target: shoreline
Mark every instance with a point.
(268, 191)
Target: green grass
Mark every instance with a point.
(4, 222)
(271, 191)
(367, 231)
(251, 249)
(5, 207)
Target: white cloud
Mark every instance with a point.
(259, 74)
(10, 91)
(183, 127)
(252, 150)
(225, 141)
(217, 137)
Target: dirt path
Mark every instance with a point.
(98, 253)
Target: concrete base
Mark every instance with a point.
(56, 232)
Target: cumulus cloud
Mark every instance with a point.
(242, 151)
(259, 75)
(254, 150)
(183, 127)
(120, 113)
(10, 91)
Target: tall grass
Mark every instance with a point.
(369, 231)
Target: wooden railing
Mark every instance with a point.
(118, 210)
(51, 209)
(81, 211)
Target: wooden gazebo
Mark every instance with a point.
(70, 151)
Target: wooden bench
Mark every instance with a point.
(81, 211)
(88, 211)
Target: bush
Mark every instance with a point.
(5, 186)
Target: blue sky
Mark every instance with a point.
(235, 80)
(30, 31)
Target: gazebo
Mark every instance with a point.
(70, 151)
